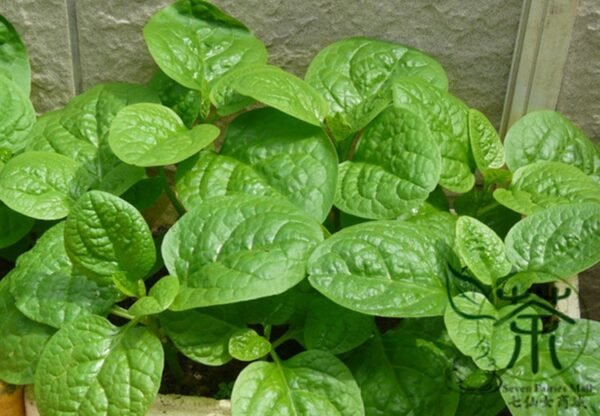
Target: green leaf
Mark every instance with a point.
(195, 43)
(17, 115)
(482, 250)
(561, 240)
(572, 389)
(161, 296)
(246, 345)
(148, 134)
(106, 235)
(22, 340)
(265, 153)
(311, 383)
(199, 336)
(224, 96)
(14, 62)
(447, 118)
(395, 166)
(13, 226)
(120, 179)
(355, 76)
(144, 193)
(544, 184)
(331, 328)
(185, 102)
(48, 289)
(384, 268)
(281, 90)
(485, 142)
(401, 373)
(42, 185)
(116, 371)
(80, 130)
(238, 248)
(547, 135)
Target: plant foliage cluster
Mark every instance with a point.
(229, 208)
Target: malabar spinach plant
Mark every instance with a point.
(230, 210)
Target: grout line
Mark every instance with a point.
(74, 42)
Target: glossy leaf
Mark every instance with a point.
(116, 371)
(13, 226)
(401, 373)
(195, 43)
(147, 134)
(561, 240)
(355, 75)
(331, 328)
(200, 336)
(283, 91)
(485, 142)
(161, 296)
(14, 62)
(544, 184)
(383, 268)
(265, 153)
(22, 340)
(447, 119)
(106, 235)
(547, 135)
(395, 166)
(120, 179)
(238, 248)
(42, 185)
(482, 250)
(185, 102)
(17, 115)
(223, 95)
(247, 345)
(311, 383)
(48, 289)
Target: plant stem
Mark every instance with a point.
(173, 361)
(285, 337)
(122, 312)
(171, 195)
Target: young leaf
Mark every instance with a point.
(199, 335)
(545, 184)
(395, 166)
(117, 371)
(384, 268)
(225, 98)
(401, 373)
(106, 235)
(562, 240)
(482, 250)
(42, 185)
(329, 327)
(283, 91)
(14, 62)
(485, 143)
(354, 76)
(195, 43)
(22, 340)
(185, 102)
(48, 289)
(448, 122)
(311, 383)
(161, 296)
(13, 226)
(247, 345)
(237, 248)
(153, 135)
(120, 179)
(17, 115)
(265, 153)
(547, 135)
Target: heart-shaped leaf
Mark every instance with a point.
(17, 115)
(14, 62)
(384, 268)
(394, 168)
(117, 371)
(106, 235)
(238, 248)
(265, 153)
(43, 185)
(247, 345)
(485, 142)
(148, 134)
(311, 383)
